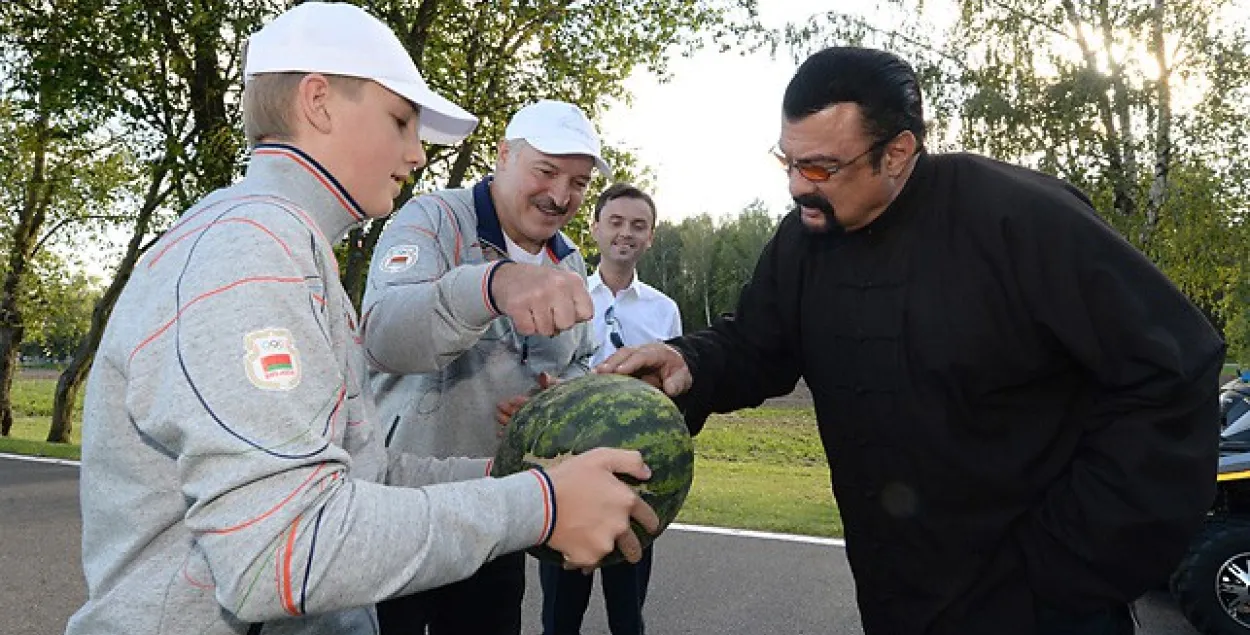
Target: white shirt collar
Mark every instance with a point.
(595, 280)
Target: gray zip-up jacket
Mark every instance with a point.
(441, 355)
(231, 463)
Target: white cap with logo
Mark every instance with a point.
(341, 39)
(559, 128)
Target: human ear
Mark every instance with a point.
(898, 151)
(313, 101)
(502, 154)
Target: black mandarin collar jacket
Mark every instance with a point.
(1017, 407)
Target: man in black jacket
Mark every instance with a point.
(1018, 409)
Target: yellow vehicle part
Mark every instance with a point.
(1233, 476)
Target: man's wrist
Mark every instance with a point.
(491, 300)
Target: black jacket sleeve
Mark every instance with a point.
(747, 357)
(1143, 476)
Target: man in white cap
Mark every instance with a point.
(232, 474)
(475, 297)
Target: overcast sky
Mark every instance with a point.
(706, 133)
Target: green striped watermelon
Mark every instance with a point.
(604, 411)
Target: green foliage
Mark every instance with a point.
(57, 309)
(496, 56)
(740, 240)
(702, 264)
(1141, 104)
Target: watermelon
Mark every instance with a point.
(595, 411)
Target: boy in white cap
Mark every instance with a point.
(475, 297)
(231, 477)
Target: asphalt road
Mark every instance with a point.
(702, 584)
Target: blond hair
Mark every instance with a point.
(269, 99)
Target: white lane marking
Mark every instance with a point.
(38, 459)
(697, 529)
(761, 535)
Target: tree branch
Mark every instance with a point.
(1030, 18)
(66, 221)
(1115, 162)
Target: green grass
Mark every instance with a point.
(757, 469)
(32, 415)
(14, 444)
(774, 436)
(794, 500)
(762, 469)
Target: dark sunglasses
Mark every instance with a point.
(614, 327)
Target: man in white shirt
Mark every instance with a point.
(628, 312)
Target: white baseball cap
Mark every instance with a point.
(341, 39)
(557, 127)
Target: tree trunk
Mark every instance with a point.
(36, 199)
(67, 385)
(362, 240)
(1163, 126)
(10, 341)
(707, 300)
(664, 264)
(1121, 103)
(11, 331)
(460, 167)
(360, 244)
(419, 35)
(217, 145)
(1123, 200)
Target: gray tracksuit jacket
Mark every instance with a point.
(441, 355)
(231, 463)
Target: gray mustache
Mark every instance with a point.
(548, 204)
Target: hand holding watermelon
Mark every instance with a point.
(505, 409)
(656, 363)
(563, 425)
(594, 507)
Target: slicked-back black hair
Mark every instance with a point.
(881, 83)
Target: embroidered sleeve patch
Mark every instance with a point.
(399, 258)
(272, 359)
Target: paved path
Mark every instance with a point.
(703, 584)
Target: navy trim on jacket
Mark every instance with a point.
(490, 231)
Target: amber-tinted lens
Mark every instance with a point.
(814, 172)
(810, 172)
